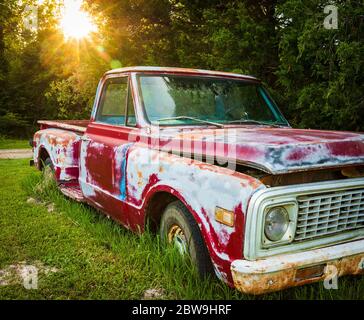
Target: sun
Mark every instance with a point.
(76, 23)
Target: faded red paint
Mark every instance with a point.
(122, 188)
(274, 150)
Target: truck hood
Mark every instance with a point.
(273, 150)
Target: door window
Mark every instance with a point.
(116, 103)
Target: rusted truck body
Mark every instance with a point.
(274, 206)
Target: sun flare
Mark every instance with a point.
(76, 23)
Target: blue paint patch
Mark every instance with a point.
(124, 152)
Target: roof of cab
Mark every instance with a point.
(180, 70)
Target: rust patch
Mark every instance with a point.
(352, 265)
(269, 282)
(301, 177)
(353, 172)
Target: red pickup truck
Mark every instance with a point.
(207, 159)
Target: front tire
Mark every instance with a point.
(48, 169)
(48, 164)
(179, 228)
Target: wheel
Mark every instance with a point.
(48, 169)
(179, 228)
(48, 164)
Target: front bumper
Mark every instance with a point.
(289, 270)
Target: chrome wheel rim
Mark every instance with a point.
(177, 237)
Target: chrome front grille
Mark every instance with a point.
(329, 213)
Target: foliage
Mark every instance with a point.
(321, 71)
(9, 143)
(72, 101)
(315, 74)
(13, 124)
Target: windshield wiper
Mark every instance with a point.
(192, 118)
(246, 121)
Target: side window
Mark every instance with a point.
(131, 121)
(112, 107)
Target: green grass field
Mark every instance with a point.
(8, 143)
(94, 258)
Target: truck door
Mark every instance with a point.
(105, 146)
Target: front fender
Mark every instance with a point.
(201, 187)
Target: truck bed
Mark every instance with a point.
(72, 125)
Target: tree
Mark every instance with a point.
(315, 74)
(320, 70)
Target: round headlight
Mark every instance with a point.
(276, 223)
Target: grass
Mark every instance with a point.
(10, 143)
(98, 259)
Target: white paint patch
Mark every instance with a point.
(86, 188)
(204, 187)
(59, 144)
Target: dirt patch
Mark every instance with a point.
(16, 154)
(153, 294)
(24, 273)
(51, 207)
(33, 201)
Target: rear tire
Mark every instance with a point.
(178, 227)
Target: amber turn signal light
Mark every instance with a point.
(224, 216)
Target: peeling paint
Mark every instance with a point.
(203, 189)
(274, 150)
(63, 149)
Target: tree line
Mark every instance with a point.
(314, 73)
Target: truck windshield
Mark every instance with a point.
(196, 100)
